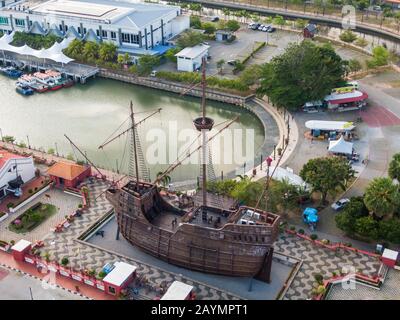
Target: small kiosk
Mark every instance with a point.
(119, 278)
(389, 257)
(20, 249)
(179, 291)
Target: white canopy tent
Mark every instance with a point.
(341, 146)
(54, 53)
(281, 174)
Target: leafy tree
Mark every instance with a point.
(147, 63)
(107, 51)
(190, 38)
(124, 59)
(327, 174)
(90, 51)
(9, 139)
(394, 167)
(195, 7)
(251, 74)
(220, 64)
(51, 151)
(208, 27)
(390, 230)
(304, 72)
(195, 22)
(382, 197)
(354, 65)
(279, 21)
(380, 57)
(75, 49)
(170, 54)
(22, 144)
(232, 25)
(283, 196)
(346, 219)
(247, 192)
(301, 23)
(348, 36)
(367, 227)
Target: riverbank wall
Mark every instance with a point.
(176, 87)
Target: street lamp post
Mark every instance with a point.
(29, 144)
(56, 148)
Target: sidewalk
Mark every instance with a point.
(69, 284)
(283, 133)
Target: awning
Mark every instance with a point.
(347, 97)
(341, 146)
(54, 53)
(330, 125)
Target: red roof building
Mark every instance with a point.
(68, 175)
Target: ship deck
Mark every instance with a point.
(165, 220)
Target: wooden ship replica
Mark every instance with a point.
(204, 238)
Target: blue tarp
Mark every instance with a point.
(310, 215)
(160, 49)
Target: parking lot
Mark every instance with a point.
(246, 40)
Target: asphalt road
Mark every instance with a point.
(17, 286)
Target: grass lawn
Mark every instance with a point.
(32, 217)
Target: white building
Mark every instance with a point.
(13, 166)
(189, 59)
(134, 27)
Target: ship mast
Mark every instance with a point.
(204, 124)
(134, 146)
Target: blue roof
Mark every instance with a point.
(160, 49)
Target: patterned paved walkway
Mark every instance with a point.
(84, 256)
(322, 261)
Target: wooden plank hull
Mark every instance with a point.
(232, 250)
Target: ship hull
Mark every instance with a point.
(233, 250)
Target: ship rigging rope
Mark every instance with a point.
(110, 136)
(188, 148)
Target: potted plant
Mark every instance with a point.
(64, 261)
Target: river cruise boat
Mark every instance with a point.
(31, 82)
(48, 80)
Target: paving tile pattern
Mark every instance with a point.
(319, 260)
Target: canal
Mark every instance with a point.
(90, 113)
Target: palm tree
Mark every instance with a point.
(382, 197)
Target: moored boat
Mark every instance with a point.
(31, 82)
(23, 89)
(12, 72)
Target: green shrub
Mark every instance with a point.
(102, 274)
(292, 228)
(64, 261)
(314, 236)
(319, 278)
(348, 36)
(301, 231)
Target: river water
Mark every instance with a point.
(90, 113)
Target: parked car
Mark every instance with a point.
(231, 62)
(251, 25)
(265, 29)
(153, 73)
(340, 204)
(260, 27)
(271, 29)
(214, 19)
(255, 26)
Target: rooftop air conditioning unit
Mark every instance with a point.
(243, 221)
(256, 216)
